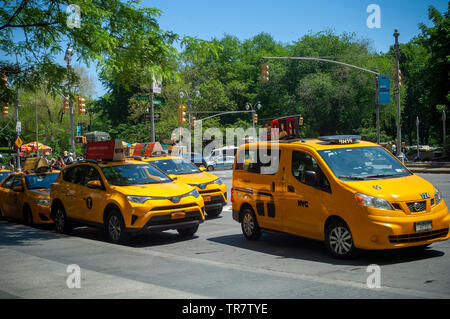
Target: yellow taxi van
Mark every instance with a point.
(349, 193)
(122, 195)
(25, 195)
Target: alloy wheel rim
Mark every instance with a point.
(248, 224)
(114, 228)
(340, 240)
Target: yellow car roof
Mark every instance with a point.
(157, 158)
(313, 143)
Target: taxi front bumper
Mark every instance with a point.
(388, 232)
(41, 214)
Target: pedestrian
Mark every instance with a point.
(11, 163)
(65, 157)
(60, 162)
(394, 148)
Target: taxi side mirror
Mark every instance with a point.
(311, 178)
(202, 168)
(174, 177)
(95, 184)
(18, 188)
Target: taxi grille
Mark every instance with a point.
(411, 238)
(173, 207)
(415, 207)
(166, 219)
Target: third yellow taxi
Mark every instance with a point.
(122, 196)
(25, 196)
(211, 187)
(338, 189)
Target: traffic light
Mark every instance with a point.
(5, 109)
(181, 114)
(81, 105)
(192, 121)
(264, 72)
(255, 118)
(66, 103)
(300, 121)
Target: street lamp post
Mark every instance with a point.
(443, 126)
(397, 79)
(68, 59)
(253, 108)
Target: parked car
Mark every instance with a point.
(223, 162)
(197, 159)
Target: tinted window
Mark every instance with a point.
(91, 174)
(176, 166)
(260, 161)
(124, 175)
(306, 170)
(18, 181)
(40, 180)
(73, 175)
(8, 182)
(3, 175)
(359, 163)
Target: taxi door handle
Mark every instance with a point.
(291, 189)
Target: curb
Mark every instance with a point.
(429, 170)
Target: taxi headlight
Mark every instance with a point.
(218, 181)
(437, 196)
(138, 199)
(43, 201)
(194, 193)
(370, 201)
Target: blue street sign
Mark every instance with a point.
(384, 90)
(78, 130)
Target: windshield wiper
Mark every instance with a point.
(379, 175)
(353, 177)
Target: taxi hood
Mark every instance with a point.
(39, 193)
(398, 189)
(157, 190)
(196, 178)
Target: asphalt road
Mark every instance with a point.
(216, 263)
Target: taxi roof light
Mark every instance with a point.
(340, 139)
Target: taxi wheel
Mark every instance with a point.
(339, 240)
(187, 232)
(115, 227)
(215, 212)
(27, 217)
(62, 226)
(249, 225)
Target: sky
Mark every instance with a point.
(289, 20)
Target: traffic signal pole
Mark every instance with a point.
(152, 113)
(397, 80)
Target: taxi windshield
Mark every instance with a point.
(176, 166)
(3, 175)
(132, 174)
(39, 181)
(363, 163)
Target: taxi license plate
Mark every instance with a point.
(207, 198)
(423, 226)
(177, 215)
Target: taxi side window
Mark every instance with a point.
(73, 175)
(91, 174)
(18, 181)
(258, 161)
(306, 170)
(9, 182)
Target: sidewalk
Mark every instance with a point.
(429, 168)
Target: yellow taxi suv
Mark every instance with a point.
(26, 197)
(349, 193)
(210, 187)
(123, 196)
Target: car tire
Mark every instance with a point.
(115, 228)
(187, 232)
(27, 216)
(62, 225)
(210, 168)
(215, 212)
(249, 225)
(339, 240)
